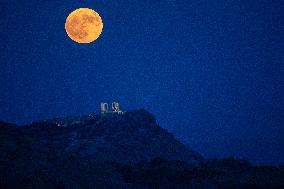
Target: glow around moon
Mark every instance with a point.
(84, 25)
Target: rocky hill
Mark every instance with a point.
(129, 137)
(116, 151)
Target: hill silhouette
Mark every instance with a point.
(131, 137)
(116, 151)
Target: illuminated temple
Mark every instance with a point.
(115, 108)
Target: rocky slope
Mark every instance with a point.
(130, 137)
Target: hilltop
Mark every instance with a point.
(129, 137)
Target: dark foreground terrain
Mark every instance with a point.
(116, 151)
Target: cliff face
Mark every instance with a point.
(131, 137)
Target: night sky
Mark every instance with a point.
(210, 71)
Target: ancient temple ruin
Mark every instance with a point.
(115, 108)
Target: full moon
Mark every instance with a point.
(84, 25)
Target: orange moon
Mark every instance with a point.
(84, 25)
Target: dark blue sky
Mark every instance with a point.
(210, 71)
